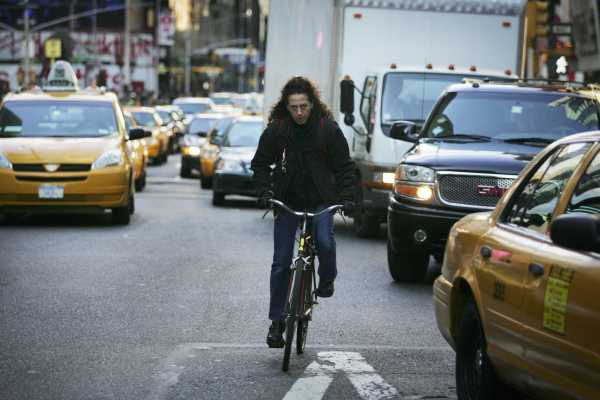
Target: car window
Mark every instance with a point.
(535, 203)
(145, 118)
(586, 196)
(165, 116)
(510, 116)
(200, 126)
(57, 119)
(193, 108)
(243, 134)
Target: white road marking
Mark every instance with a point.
(319, 375)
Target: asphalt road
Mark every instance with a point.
(174, 306)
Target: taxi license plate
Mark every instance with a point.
(51, 192)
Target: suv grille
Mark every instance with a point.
(479, 191)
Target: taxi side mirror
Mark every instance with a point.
(139, 133)
(577, 231)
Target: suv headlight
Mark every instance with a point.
(110, 158)
(229, 165)
(4, 162)
(414, 182)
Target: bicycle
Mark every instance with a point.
(301, 297)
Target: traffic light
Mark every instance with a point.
(539, 18)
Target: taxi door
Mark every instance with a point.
(507, 251)
(562, 308)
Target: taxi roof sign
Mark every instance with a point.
(61, 78)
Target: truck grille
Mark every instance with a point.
(472, 190)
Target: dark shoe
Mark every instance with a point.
(275, 335)
(325, 289)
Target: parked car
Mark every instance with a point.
(474, 143)
(139, 152)
(199, 126)
(209, 151)
(65, 150)
(158, 143)
(232, 172)
(517, 298)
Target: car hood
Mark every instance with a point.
(239, 153)
(486, 157)
(56, 150)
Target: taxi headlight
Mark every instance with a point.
(208, 153)
(109, 159)
(414, 173)
(193, 151)
(229, 165)
(4, 163)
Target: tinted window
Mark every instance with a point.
(57, 119)
(507, 116)
(586, 197)
(243, 134)
(535, 203)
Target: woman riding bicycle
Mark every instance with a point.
(312, 170)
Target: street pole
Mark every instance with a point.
(157, 47)
(26, 60)
(188, 61)
(127, 48)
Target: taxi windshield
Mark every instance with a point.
(57, 119)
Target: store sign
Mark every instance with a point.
(166, 29)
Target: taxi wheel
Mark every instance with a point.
(475, 377)
(205, 183)
(185, 172)
(122, 215)
(140, 183)
(407, 265)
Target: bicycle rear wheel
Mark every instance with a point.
(292, 314)
(305, 309)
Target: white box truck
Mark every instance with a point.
(400, 54)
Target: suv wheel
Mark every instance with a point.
(407, 265)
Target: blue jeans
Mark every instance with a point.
(284, 237)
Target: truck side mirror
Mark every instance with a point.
(347, 100)
(405, 130)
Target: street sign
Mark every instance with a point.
(561, 29)
(52, 48)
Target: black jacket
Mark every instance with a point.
(329, 161)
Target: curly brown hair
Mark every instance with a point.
(299, 85)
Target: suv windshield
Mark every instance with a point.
(539, 116)
(57, 119)
(411, 96)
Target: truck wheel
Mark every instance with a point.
(365, 226)
(407, 265)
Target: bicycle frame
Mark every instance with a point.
(296, 310)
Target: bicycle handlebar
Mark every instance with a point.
(281, 204)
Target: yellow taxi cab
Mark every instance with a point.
(65, 150)
(139, 153)
(209, 151)
(518, 295)
(158, 143)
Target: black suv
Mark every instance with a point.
(472, 146)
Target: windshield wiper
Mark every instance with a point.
(532, 140)
(461, 136)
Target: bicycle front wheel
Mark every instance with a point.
(305, 309)
(292, 314)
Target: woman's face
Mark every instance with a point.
(299, 108)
